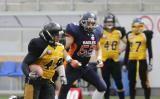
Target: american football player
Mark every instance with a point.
(82, 39)
(110, 45)
(46, 52)
(138, 42)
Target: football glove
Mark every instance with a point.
(99, 63)
(150, 65)
(124, 68)
(75, 63)
(33, 75)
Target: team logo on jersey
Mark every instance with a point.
(49, 52)
(104, 36)
(92, 38)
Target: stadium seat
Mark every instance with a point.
(17, 77)
(7, 67)
(18, 71)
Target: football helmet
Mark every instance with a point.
(51, 32)
(88, 21)
(109, 21)
(137, 25)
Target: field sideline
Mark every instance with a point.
(88, 97)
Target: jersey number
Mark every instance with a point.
(138, 45)
(86, 50)
(48, 65)
(114, 45)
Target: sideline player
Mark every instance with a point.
(110, 45)
(138, 42)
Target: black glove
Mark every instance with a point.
(150, 65)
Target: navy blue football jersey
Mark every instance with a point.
(84, 42)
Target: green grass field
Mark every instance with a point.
(88, 97)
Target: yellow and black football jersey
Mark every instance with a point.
(43, 54)
(49, 59)
(110, 44)
(137, 46)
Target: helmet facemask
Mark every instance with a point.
(89, 24)
(137, 26)
(109, 22)
(51, 33)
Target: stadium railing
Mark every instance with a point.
(75, 5)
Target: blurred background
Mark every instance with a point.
(21, 20)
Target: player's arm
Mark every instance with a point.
(34, 53)
(123, 37)
(149, 46)
(149, 43)
(70, 35)
(127, 50)
(124, 41)
(69, 41)
(61, 71)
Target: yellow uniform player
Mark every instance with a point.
(138, 42)
(110, 45)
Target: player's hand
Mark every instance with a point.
(75, 63)
(124, 68)
(63, 80)
(33, 75)
(99, 63)
(150, 65)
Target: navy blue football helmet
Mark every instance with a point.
(109, 21)
(88, 21)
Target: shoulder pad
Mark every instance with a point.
(70, 29)
(99, 30)
(37, 46)
(33, 45)
(128, 34)
(122, 30)
(149, 34)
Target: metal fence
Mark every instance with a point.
(74, 5)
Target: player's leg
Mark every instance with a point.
(32, 89)
(144, 79)
(92, 77)
(72, 75)
(47, 90)
(117, 76)
(106, 71)
(132, 78)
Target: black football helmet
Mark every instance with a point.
(109, 21)
(51, 32)
(88, 21)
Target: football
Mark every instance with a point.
(36, 68)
